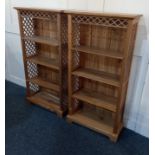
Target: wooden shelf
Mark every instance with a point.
(89, 120)
(45, 84)
(42, 18)
(97, 99)
(99, 76)
(51, 63)
(44, 40)
(46, 100)
(94, 51)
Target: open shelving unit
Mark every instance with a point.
(44, 45)
(79, 62)
(100, 53)
(47, 62)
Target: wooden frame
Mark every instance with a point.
(100, 53)
(88, 70)
(43, 38)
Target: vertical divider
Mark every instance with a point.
(70, 63)
(60, 55)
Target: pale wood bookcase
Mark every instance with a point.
(79, 62)
(44, 44)
(99, 61)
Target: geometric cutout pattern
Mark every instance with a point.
(33, 87)
(103, 21)
(76, 59)
(76, 83)
(27, 20)
(30, 48)
(76, 35)
(32, 70)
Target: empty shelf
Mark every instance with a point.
(45, 84)
(42, 18)
(106, 53)
(46, 100)
(86, 119)
(44, 40)
(99, 76)
(51, 63)
(97, 99)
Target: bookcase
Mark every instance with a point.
(79, 63)
(99, 60)
(44, 45)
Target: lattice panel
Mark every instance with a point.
(32, 70)
(75, 103)
(27, 20)
(76, 43)
(33, 87)
(103, 21)
(76, 59)
(28, 27)
(76, 62)
(76, 83)
(76, 35)
(30, 48)
(64, 55)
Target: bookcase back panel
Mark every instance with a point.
(48, 74)
(93, 86)
(101, 63)
(48, 51)
(107, 38)
(99, 37)
(100, 88)
(85, 34)
(45, 28)
(98, 114)
(96, 62)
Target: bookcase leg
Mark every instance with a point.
(113, 138)
(69, 120)
(60, 115)
(29, 102)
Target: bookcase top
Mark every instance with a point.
(83, 12)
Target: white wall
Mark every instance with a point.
(136, 111)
